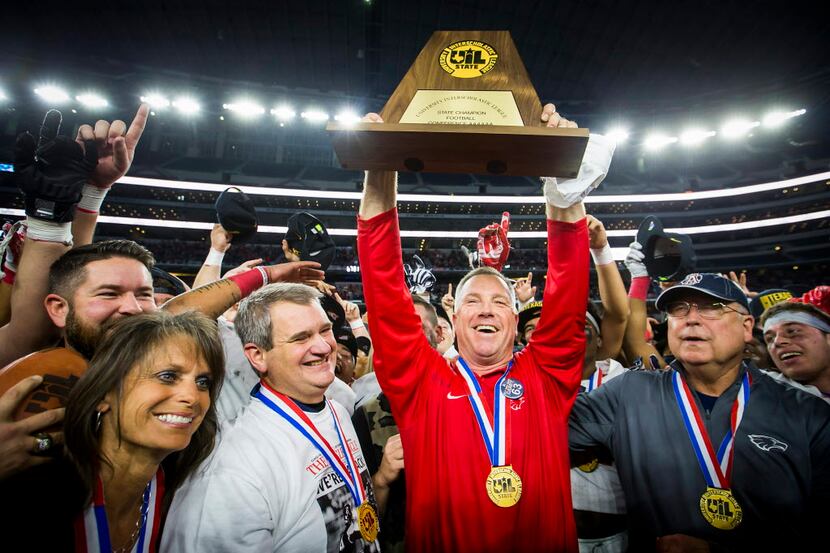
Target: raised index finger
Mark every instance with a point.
(137, 126)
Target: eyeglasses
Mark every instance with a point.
(680, 309)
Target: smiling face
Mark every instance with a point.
(165, 398)
(112, 288)
(800, 351)
(485, 322)
(301, 362)
(709, 343)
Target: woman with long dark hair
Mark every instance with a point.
(138, 422)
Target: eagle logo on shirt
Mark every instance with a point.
(768, 443)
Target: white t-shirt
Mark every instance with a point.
(340, 392)
(599, 491)
(267, 488)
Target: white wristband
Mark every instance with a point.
(264, 273)
(91, 198)
(603, 255)
(214, 257)
(47, 231)
(357, 324)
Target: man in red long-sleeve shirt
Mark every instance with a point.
(485, 438)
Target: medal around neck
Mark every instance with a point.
(720, 509)
(504, 487)
(717, 504)
(367, 522)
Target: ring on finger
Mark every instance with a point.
(43, 443)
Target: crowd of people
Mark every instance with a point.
(263, 409)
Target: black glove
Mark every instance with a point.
(52, 173)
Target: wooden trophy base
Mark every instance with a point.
(477, 149)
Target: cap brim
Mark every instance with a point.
(667, 295)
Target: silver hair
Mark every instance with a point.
(488, 271)
(253, 321)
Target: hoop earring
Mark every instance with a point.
(98, 420)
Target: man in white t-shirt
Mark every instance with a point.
(289, 475)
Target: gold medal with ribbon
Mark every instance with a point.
(345, 468)
(717, 504)
(503, 484)
(367, 522)
(720, 509)
(504, 487)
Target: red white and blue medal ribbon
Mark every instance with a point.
(92, 534)
(494, 435)
(716, 468)
(287, 409)
(595, 380)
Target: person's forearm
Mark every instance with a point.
(212, 299)
(616, 311)
(30, 328)
(381, 489)
(83, 227)
(635, 344)
(570, 214)
(207, 274)
(379, 193)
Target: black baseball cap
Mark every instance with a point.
(343, 335)
(528, 312)
(710, 284)
(308, 238)
(334, 310)
(766, 299)
(165, 283)
(236, 213)
(668, 256)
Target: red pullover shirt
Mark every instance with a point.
(446, 461)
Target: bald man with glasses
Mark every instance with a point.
(713, 454)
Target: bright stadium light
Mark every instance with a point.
(315, 116)
(736, 128)
(695, 137)
(92, 100)
(777, 118)
(3, 96)
(247, 109)
(618, 134)
(347, 117)
(283, 113)
(52, 94)
(156, 100)
(658, 141)
(186, 105)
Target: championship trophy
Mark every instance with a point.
(465, 106)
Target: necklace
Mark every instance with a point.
(139, 524)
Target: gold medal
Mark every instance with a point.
(590, 466)
(367, 521)
(720, 508)
(504, 487)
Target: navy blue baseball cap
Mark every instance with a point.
(710, 284)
